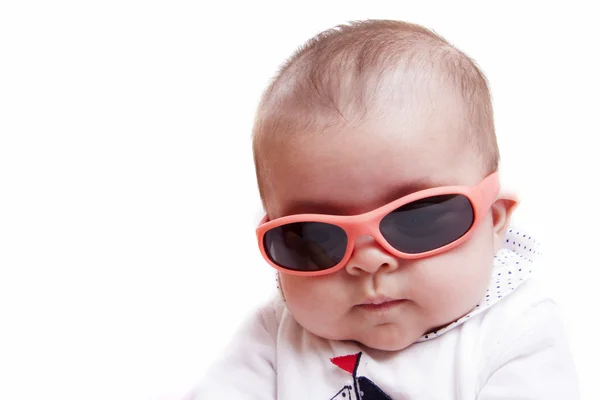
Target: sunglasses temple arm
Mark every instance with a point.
(490, 187)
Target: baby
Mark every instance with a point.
(399, 275)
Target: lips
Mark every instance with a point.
(379, 303)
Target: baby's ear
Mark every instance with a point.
(502, 210)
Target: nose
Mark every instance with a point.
(369, 257)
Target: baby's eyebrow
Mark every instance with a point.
(409, 188)
(313, 207)
(309, 206)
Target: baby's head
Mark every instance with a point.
(359, 117)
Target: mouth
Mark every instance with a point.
(379, 303)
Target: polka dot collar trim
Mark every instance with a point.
(513, 265)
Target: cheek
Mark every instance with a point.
(456, 280)
(318, 304)
(311, 295)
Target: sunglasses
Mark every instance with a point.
(421, 224)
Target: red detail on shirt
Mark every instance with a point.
(347, 363)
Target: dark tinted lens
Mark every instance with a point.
(306, 246)
(428, 224)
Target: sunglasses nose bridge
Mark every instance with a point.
(363, 226)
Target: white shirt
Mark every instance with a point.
(511, 346)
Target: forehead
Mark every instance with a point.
(357, 170)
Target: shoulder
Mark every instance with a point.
(524, 323)
(529, 305)
(269, 315)
(524, 347)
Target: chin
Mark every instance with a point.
(392, 342)
(387, 346)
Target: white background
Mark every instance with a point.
(127, 191)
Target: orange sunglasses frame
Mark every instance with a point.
(481, 196)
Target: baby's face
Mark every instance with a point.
(355, 171)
